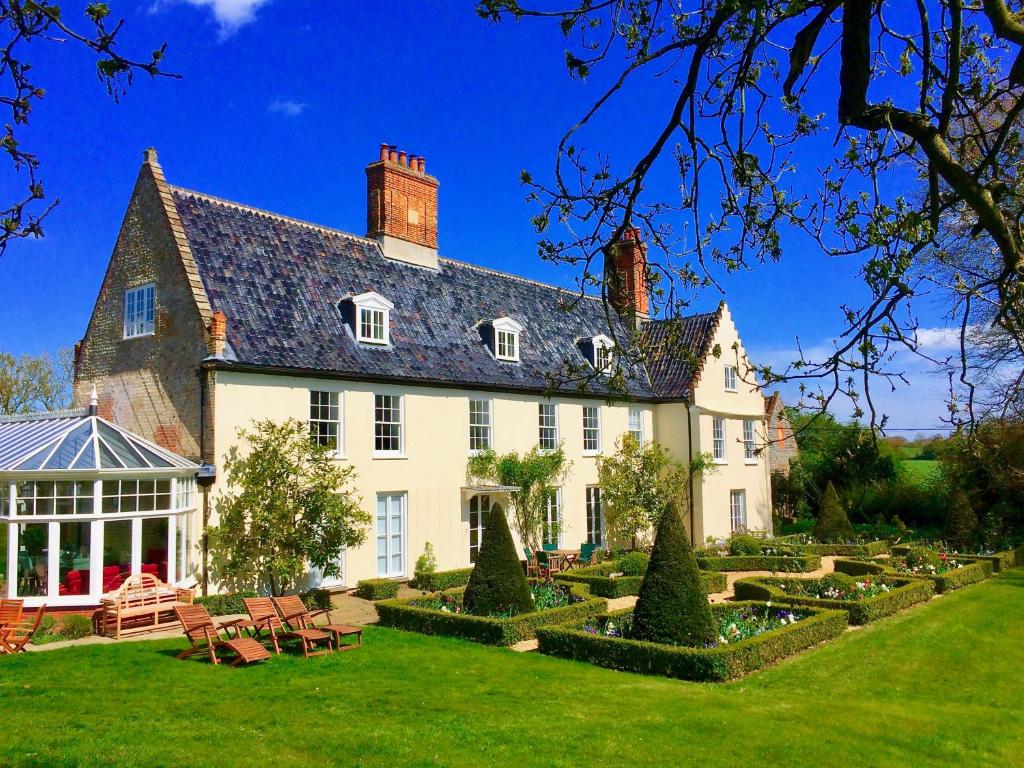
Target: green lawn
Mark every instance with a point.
(921, 471)
(937, 685)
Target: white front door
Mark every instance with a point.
(391, 534)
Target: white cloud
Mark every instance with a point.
(936, 339)
(287, 107)
(229, 14)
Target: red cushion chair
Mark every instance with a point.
(112, 577)
(152, 568)
(72, 583)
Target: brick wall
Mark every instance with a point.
(782, 446)
(150, 384)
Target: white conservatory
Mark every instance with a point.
(84, 504)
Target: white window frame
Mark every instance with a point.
(718, 440)
(603, 344)
(636, 424)
(479, 506)
(737, 510)
(140, 311)
(374, 303)
(486, 428)
(388, 533)
(730, 378)
(595, 513)
(553, 517)
(390, 453)
(507, 332)
(749, 455)
(542, 416)
(338, 421)
(591, 429)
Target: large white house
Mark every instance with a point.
(213, 313)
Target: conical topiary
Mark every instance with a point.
(497, 584)
(832, 524)
(673, 606)
(961, 523)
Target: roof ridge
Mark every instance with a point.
(519, 278)
(67, 413)
(272, 214)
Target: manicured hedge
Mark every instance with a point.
(596, 577)
(1001, 561)
(866, 549)
(442, 580)
(231, 603)
(972, 573)
(377, 589)
(570, 641)
(402, 614)
(787, 564)
(906, 592)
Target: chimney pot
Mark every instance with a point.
(422, 162)
(383, 152)
(403, 158)
(393, 153)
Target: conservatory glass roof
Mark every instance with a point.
(77, 441)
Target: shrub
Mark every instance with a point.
(837, 580)
(426, 564)
(868, 548)
(316, 599)
(905, 593)
(53, 629)
(571, 641)
(223, 605)
(377, 589)
(404, 614)
(634, 564)
(833, 524)
(439, 581)
(744, 545)
(961, 523)
(497, 584)
(672, 606)
(921, 556)
(709, 560)
(598, 580)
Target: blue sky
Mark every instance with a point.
(283, 102)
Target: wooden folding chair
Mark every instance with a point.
(294, 612)
(262, 617)
(10, 612)
(205, 638)
(14, 637)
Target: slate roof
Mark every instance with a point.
(279, 281)
(675, 351)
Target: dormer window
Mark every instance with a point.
(603, 347)
(372, 318)
(506, 339)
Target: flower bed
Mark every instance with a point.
(739, 655)
(441, 614)
(968, 572)
(872, 597)
(603, 581)
(441, 580)
(713, 560)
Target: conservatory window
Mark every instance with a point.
(48, 497)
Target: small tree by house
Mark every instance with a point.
(497, 584)
(832, 524)
(638, 482)
(672, 606)
(535, 475)
(288, 506)
(961, 523)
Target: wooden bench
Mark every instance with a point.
(140, 602)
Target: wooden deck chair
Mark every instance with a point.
(14, 637)
(10, 612)
(205, 638)
(262, 619)
(294, 612)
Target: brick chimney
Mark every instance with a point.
(401, 207)
(625, 270)
(218, 334)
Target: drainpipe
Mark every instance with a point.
(689, 478)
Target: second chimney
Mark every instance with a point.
(401, 207)
(625, 271)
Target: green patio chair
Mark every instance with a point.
(550, 547)
(588, 554)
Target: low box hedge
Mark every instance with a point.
(865, 549)
(403, 614)
(439, 581)
(231, 603)
(971, 573)
(775, 563)
(905, 593)
(598, 579)
(377, 589)
(571, 641)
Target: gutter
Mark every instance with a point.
(689, 477)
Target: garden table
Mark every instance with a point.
(565, 558)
